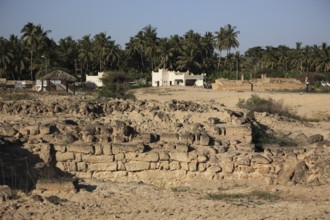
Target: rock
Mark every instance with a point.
(299, 172)
(148, 157)
(245, 147)
(186, 138)
(81, 148)
(7, 131)
(204, 140)
(127, 147)
(5, 193)
(109, 166)
(214, 169)
(214, 120)
(301, 138)
(175, 165)
(315, 138)
(137, 166)
(259, 159)
(180, 147)
(169, 138)
(179, 156)
(67, 156)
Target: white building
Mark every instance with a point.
(172, 78)
(94, 81)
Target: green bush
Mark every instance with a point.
(258, 104)
(116, 85)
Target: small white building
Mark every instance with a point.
(94, 81)
(172, 78)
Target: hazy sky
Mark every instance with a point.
(260, 22)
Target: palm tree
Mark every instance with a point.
(283, 59)
(188, 61)
(219, 39)
(102, 48)
(67, 52)
(207, 48)
(5, 56)
(151, 42)
(33, 36)
(322, 60)
(20, 51)
(165, 52)
(269, 59)
(85, 52)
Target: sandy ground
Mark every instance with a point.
(112, 200)
(304, 104)
(109, 200)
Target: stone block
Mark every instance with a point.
(179, 156)
(97, 158)
(64, 156)
(164, 165)
(60, 147)
(169, 138)
(149, 157)
(131, 156)
(263, 169)
(181, 147)
(154, 166)
(202, 158)
(127, 147)
(214, 169)
(169, 146)
(164, 156)
(81, 166)
(227, 167)
(120, 156)
(175, 165)
(204, 140)
(137, 166)
(193, 166)
(110, 166)
(243, 161)
(81, 148)
(184, 166)
(201, 167)
(78, 157)
(107, 149)
(145, 138)
(186, 138)
(121, 166)
(118, 139)
(98, 149)
(244, 169)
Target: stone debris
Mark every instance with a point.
(130, 140)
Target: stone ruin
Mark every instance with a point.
(159, 143)
(263, 84)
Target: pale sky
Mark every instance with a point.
(260, 22)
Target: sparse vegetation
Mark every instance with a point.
(15, 96)
(255, 195)
(258, 104)
(180, 189)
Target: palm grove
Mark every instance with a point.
(28, 56)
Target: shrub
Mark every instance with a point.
(255, 103)
(116, 85)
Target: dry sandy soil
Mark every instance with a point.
(136, 200)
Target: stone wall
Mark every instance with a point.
(264, 84)
(156, 143)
